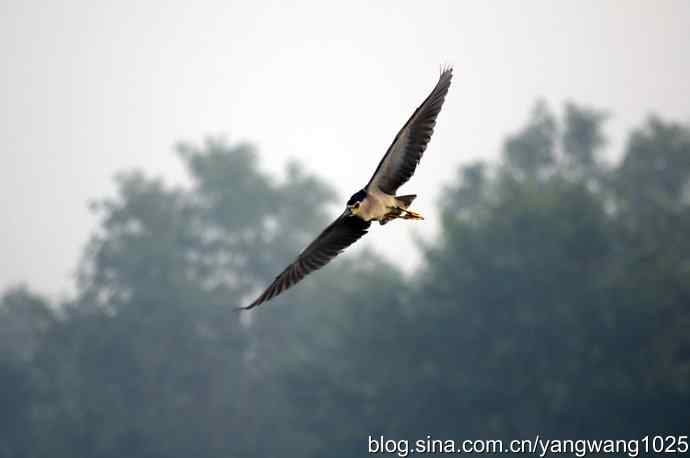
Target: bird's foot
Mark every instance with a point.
(409, 214)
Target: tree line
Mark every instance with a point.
(555, 301)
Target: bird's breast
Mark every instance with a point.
(376, 205)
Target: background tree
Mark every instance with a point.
(24, 319)
(554, 301)
(544, 307)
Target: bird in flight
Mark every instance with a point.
(376, 201)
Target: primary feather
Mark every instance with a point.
(402, 157)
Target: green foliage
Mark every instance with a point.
(582, 137)
(550, 290)
(555, 301)
(25, 318)
(532, 150)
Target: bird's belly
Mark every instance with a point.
(376, 206)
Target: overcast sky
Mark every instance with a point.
(90, 87)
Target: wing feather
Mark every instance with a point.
(340, 234)
(402, 157)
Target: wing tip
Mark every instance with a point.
(241, 308)
(445, 78)
(446, 69)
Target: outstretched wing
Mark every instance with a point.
(340, 234)
(402, 157)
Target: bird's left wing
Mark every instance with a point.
(340, 234)
(402, 157)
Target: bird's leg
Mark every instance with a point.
(398, 212)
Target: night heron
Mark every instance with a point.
(376, 201)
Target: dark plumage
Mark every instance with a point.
(402, 157)
(340, 234)
(357, 197)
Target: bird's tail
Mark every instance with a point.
(405, 201)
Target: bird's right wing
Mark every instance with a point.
(402, 157)
(340, 234)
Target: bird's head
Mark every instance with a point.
(354, 203)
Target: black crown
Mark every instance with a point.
(357, 197)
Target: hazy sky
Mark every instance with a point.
(93, 87)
